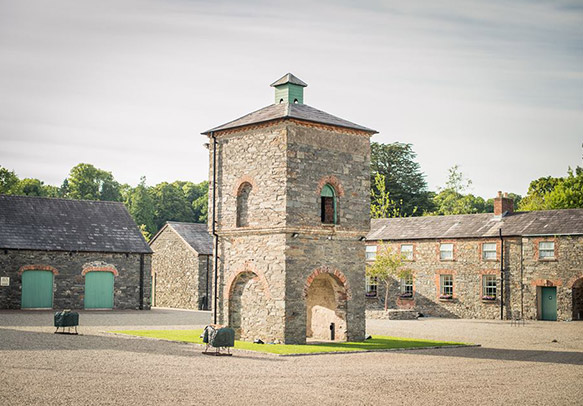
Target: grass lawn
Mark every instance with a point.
(376, 343)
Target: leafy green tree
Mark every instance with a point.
(200, 204)
(387, 266)
(549, 193)
(381, 204)
(452, 200)
(90, 183)
(8, 181)
(403, 178)
(30, 187)
(170, 204)
(140, 204)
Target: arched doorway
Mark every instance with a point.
(326, 300)
(99, 290)
(248, 307)
(578, 299)
(37, 289)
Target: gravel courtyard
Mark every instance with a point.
(515, 365)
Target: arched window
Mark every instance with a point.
(243, 204)
(328, 208)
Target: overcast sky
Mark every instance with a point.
(496, 87)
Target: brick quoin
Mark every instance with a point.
(37, 268)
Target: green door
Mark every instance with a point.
(99, 290)
(549, 303)
(37, 290)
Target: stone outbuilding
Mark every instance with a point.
(459, 262)
(181, 266)
(290, 184)
(75, 254)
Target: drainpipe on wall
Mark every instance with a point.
(141, 281)
(207, 293)
(501, 275)
(214, 231)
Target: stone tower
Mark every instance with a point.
(292, 209)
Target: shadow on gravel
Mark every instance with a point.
(551, 357)
(154, 317)
(18, 340)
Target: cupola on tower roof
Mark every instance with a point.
(289, 89)
(289, 104)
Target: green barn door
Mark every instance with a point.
(549, 303)
(99, 290)
(37, 290)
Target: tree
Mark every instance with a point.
(200, 204)
(388, 265)
(451, 200)
(403, 178)
(30, 187)
(549, 193)
(8, 181)
(170, 204)
(381, 204)
(141, 207)
(90, 183)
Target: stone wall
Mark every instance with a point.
(524, 276)
(275, 255)
(69, 282)
(179, 273)
(317, 157)
(252, 285)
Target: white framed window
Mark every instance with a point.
(489, 287)
(446, 286)
(371, 286)
(407, 286)
(407, 251)
(489, 251)
(371, 252)
(546, 249)
(446, 251)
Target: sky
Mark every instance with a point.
(495, 87)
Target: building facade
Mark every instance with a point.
(292, 210)
(490, 266)
(181, 266)
(58, 253)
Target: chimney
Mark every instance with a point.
(503, 204)
(289, 89)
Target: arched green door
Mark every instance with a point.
(37, 290)
(99, 290)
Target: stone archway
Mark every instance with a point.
(578, 299)
(248, 306)
(326, 306)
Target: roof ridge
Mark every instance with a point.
(67, 199)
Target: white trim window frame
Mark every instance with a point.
(407, 285)
(489, 251)
(489, 286)
(371, 252)
(546, 250)
(446, 285)
(407, 251)
(446, 251)
(371, 286)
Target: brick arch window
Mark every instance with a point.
(328, 207)
(243, 204)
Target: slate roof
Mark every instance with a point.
(36, 223)
(289, 110)
(532, 223)
(195, 234)
(289, 78)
